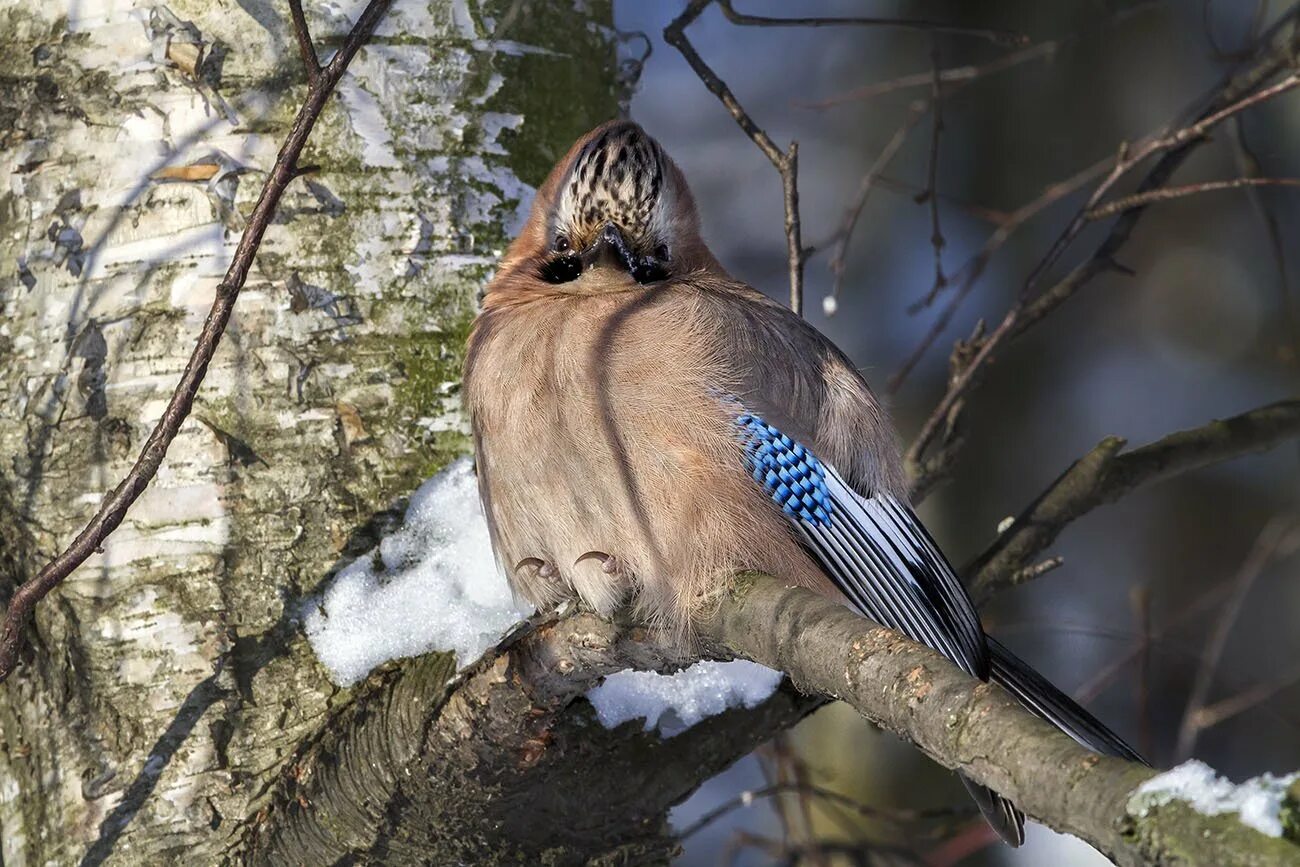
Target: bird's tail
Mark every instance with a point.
(1004, 816)
(1038, 695)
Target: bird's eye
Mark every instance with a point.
(661, 252)
(561, 243)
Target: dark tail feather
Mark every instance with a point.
(1000, 813)
(1038, 695)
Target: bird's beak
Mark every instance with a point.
(610, 250)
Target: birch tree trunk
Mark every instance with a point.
(168, 689)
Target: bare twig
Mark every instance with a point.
(983, 213)
(888, 814)
(785, 162)
(115, 505)
(1249, 165)
(783, 768)
(852, 214)
(963, 74)
(1105, 474)
(969, 275)
(1093, 687)
(306, 50)
(931, 192)
(1141, 598)
(951, 75)
(1278, 539)
(1164, 194)
(999, 37)
(1037, 570)
(1225, 709)
(975, 837)
(1238, 94)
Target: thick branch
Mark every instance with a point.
(509, 756)
(1105, 474)
(423, 769)
(114, 508)
(961, 723)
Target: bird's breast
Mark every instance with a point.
(611, 461)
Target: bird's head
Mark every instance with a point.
(615, 212)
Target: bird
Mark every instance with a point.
(646, 426)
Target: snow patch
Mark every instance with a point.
(1258, 801)
(675, 702)
(435, 585)
(432, 585)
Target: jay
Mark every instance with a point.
(646, 426)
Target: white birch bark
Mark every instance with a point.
(168, 685)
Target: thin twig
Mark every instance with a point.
(998, 37)
(1164, 194)
(114, 507)
(1249, 165)
(1225, 709)
(969, 275)
(306, 50)
(1106, 474)
(1090, 689)
(983, 213)
(868, 811)
(1141, 598)
(963, 74)
(852, 214)
(932, 177)
(1031, 306)
(952, 75)
(1038, 570)
(1276, 539)
(785, 162)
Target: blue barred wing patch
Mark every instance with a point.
(872, 547)
(877, 552)
(791, 475)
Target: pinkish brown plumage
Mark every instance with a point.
(604, 411)
(646, 427)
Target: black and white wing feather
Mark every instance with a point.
(873, 548)
(880, 556)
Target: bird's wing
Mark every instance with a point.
(872, 547)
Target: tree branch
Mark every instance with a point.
(998, 37)
(1279, 538)
(114, 507)
(962, 723)
(508, 752)
(1139, 200)
(1241, 91)
(306, 50)
(506, 756)
(1105, 474)
(844, 235)
(952, 75)
(786, 162)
